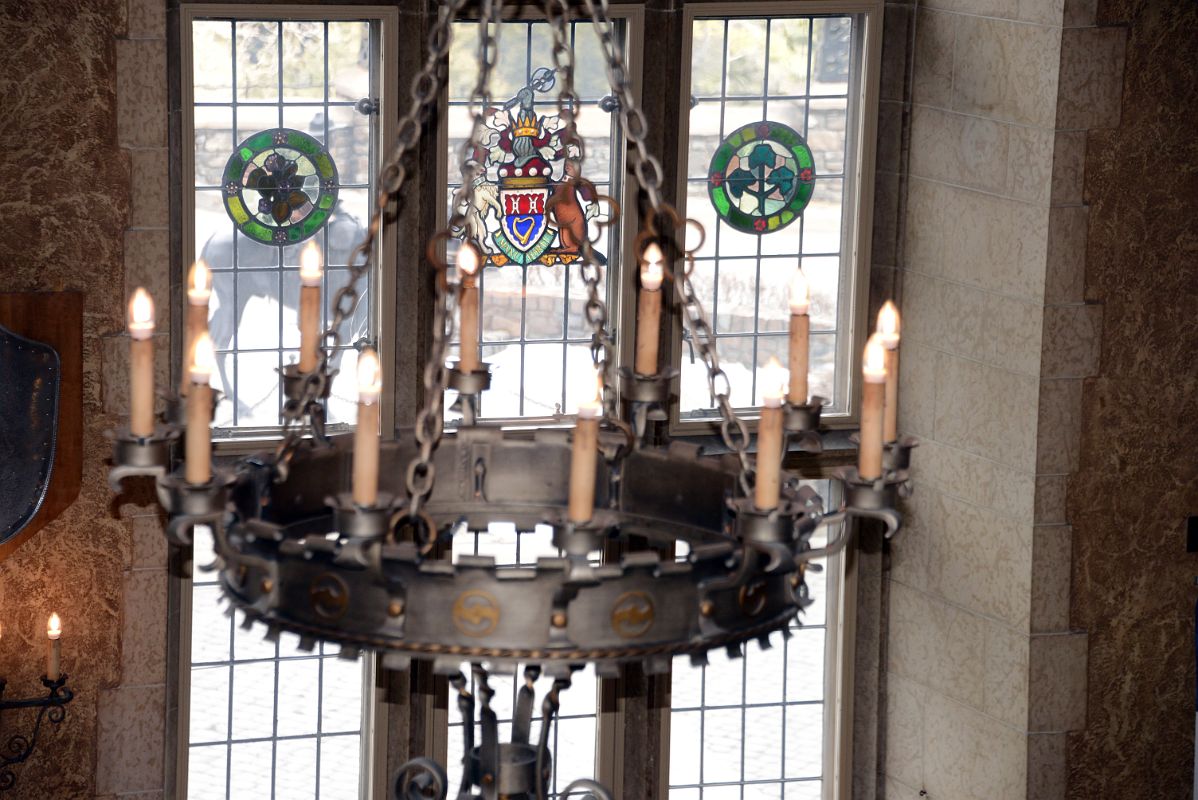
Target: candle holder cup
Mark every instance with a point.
(174, 407)
(874, 499)
(134, 455)
(803, 417)
(363, 522)
(648, 396)
(191, 504)
(896, 456)
(469, 385)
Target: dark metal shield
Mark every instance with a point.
(29, 385)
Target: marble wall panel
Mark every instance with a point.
(935, 644)
(1043, 12)
(969, 755)
(1006, 70)
(958, 149)
(1005, 682)
(982, 562)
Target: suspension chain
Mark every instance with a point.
(392, 176)
(648, 173)
(733, 430)
(568, 103)
(430, 422)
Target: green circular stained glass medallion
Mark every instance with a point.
(280, 186)
(761, 177)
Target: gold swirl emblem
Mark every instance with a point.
(632, 615)
(475, 613)
(752, 598)
(329, 596)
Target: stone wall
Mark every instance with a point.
(1138, 416)
(80, 88)
(984, 675)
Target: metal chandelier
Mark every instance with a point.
(346, 539)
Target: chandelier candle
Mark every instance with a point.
(582, 458)
(769, 438)
(311, 272)
(800, 337)
(54, 660)
(888, 329)
(141, 363)
(648, 310)
(198, 467)
(199, 290)
(468, 261)
(366, 437)
(873, 370)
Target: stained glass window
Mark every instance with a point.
(274, 107)
(280, 96)
(765, 76)
(280, 186)
(534, 332)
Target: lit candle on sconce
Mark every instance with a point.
(873, 389)
(769, 438)
(198, 464)
(582, 457)
(141, 363)
(888, 329)
(366, 437)
(648, 310)
(311, 274)
(468, 263)
(199, 291)
(800, 337)
(54, 634)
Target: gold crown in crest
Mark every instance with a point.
(526, 125)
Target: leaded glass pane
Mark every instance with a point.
(533, 330)
(253, 79)
(772, 77)
(752, 727)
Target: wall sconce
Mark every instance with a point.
(51, 706)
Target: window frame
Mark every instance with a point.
(860, 147)
(244, 440)
(251, 440)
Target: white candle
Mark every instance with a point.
(888, 329)
(199, 291)
(582, 456)
(873, 370)
(769, 437)
(648, 310)
(468, 262)
(311, 273)
(800, 336)
(54, 661)
(141, 363)
(366, 437)
(198, 465)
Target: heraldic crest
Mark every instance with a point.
(530, 203)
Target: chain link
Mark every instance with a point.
(568, 103)
(648, 173)
(430, 421)
(392, 175)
